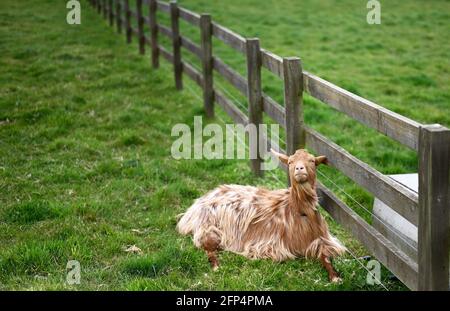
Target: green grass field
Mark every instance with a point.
(85, 124)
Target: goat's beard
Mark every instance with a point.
(305, 190)
(306, 187)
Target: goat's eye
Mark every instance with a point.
(312, 161)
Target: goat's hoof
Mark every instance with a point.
(215, 268)
(336, 280)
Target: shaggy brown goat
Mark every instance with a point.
(259, 223)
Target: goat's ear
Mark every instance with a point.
(321, 160)
(282, 157)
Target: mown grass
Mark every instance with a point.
(85, 139)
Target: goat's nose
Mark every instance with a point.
(299, 168)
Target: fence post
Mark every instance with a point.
(434, 207)
(207, 64)
(153, 33)
(119, 16)
(253, 53)
(111, 13)
(105, 9)
(140, 25)
(99, 6)
(127, 20)
(293, 103)
(176, 42)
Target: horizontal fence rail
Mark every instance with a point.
(190, 17)
(228, 37)
(386, 252)
(429, 210)
(234, 78)
(395, 195)
(386, 122)
(272, 62)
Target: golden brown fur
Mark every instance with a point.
(260, 223)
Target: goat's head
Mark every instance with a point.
(302, 165)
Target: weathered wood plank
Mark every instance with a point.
(99, 6)
(134, 13)
(389, 123)
(274, 110)
(191, 47)
(271, 107)
(434, 211)
(166, 54)
(254, 101)
(399, 198)
(176, 44)
(111, 13)
(105, 9)
(272, 62)
(166, 31)
(230, 75)
(190, 17)
(383, 249)
(140, 25)
(163, 6)
(228, 106)
(393, 226)
(192, 73)
(229, 37)
(119, 16)
(128, 30)
(207, 64)
(153, 25)
(293, 103)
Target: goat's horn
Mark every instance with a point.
(276, 153)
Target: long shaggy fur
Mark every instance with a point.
(259, 223)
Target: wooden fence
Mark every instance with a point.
(429, 210)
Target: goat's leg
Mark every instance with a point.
(213, 260)
(333, 276)
(210, 242)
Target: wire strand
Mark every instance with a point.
(224, 90)
(365, 268)
(277, 179)
(232, 96)
(366, 210)
(348, 249)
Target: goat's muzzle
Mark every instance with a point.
(301, 177)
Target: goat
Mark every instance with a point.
(259, 223)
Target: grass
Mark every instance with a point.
(85, 123)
